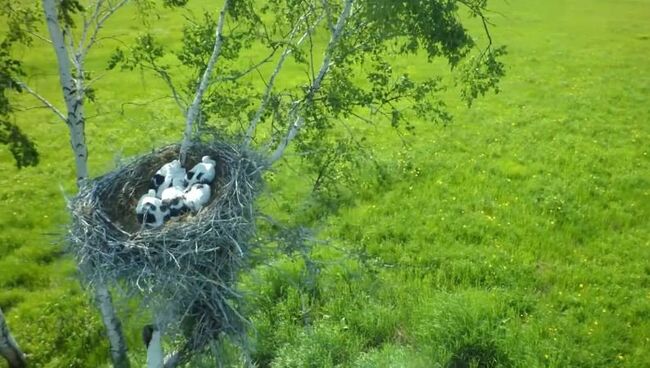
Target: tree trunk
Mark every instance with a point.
(8, 347)
(73, 95)
(113, 327)
(155, 354)
(72, 91)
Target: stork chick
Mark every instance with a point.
(150, 210)
(203, 172)
(175, 178)
(172, 197)
(159, 176)
(197, 196)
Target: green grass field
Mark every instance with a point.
(518, 236)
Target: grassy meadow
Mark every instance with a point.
(517, 236)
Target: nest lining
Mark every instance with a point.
(185, 269)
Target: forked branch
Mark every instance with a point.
(294, 113)
(43, 100)
(99, 17)
(252, 126)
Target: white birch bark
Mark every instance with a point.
(155, 354)
(73, 95)
(8, 347)
(195, 107)
(113, 327)
(298, 119)
(172, 360)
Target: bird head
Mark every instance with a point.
(208, 160)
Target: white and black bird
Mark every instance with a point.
(197, 196)
(150, 210)
(202, 173)
(174, 177)
(170, 174)
(159, 176)
(173, 198)
(146, 198)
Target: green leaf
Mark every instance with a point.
(22, 148)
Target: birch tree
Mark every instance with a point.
(70, 56)
(70, 59)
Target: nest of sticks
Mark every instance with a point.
(186, 269)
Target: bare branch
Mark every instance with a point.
(87, 23)
(248, 70)
(124, 104)
(267, 93)
(42, 38)
(45, 102)
(180, 101)
(316, 84)
(100, 18)
(97, 78)
(193, 111)
(328, 12)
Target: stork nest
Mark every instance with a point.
(185, 269)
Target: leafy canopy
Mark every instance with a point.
(363, 84)
(21, 20)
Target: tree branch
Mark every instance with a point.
(250, 69)
(193, 111)
(8, 347)
(99, 23)
(477, 11)
(42, 38)
(155, 353)
(328, 12)
(74, 105)
(113, 327)
(87, 23)
(315, 86)
(182, 104)
(252, 126)
(45, 102)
